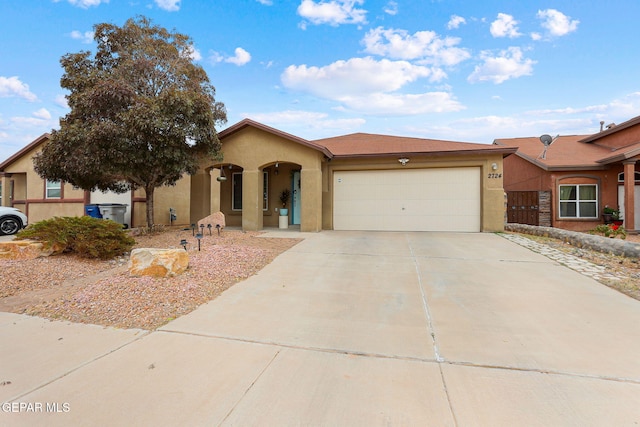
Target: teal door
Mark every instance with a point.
(296, 200)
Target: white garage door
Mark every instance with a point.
(446, 199)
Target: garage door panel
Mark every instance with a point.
(446, 199)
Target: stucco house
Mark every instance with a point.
(351, 182)
(569, 183)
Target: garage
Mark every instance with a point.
(437, 199)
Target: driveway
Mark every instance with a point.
(351, 328)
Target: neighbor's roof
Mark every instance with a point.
(613, 129)
(568, 152)
(373, 145)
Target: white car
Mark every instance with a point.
(11, 220)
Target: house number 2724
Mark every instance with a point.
(495, 175)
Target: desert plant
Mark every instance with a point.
(284, 197)
(610, 230)
(85, 236)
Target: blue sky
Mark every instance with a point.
(445, 69)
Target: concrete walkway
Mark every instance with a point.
(352, 329)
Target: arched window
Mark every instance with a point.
(636, 176)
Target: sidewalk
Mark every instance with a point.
(351, 328)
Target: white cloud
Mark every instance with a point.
(86, 37)
(333, 12)
(557, 23)
(368, 86)
(85, 4)
(423, 45)
(168, 5)
(61, 100)
(12, 86)
(391, 104)
(42, 113)
(265, 2)
(509, 64)
(391, 8)
(240, 58)
(536, 36)
(504, 26)
(356, 76)
(312, 119)
(455, 21)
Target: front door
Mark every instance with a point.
(636, 200)
(296, 199)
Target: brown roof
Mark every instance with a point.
(615, 128)
(367, 145)
(566, 152)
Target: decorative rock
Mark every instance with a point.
(22, 249)
(213, 219)
(158, 262)
(581, 240)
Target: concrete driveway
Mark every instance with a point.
(351, 328)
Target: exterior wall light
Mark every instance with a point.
(222, 177)
(403, 160)
(494, 166)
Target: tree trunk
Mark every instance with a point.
(149, 195)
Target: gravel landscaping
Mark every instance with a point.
(66, 287)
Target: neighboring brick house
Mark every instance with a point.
(581, 173)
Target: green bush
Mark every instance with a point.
(85, 236)
(610, 230)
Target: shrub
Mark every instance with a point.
(85, 236)
(610, 230)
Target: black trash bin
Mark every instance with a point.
(92, 211)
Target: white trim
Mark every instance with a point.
(577, 201)
(49, 185)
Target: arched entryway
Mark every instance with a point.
(284, 193)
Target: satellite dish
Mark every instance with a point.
(546, 140)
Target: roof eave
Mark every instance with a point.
(505, 151)
(614, 129)
(39, 140)
(558, 168)
(620, 157)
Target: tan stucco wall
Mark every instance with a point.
(29, 192)
(177, 197)
(492, 192)
(253, 151)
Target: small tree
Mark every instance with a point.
(142, 113)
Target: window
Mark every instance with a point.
(579, 201)
(265, 191)
(636, 176)
(236, 191)
(54, 190)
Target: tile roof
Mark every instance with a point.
(367, 145)
(567, 152)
